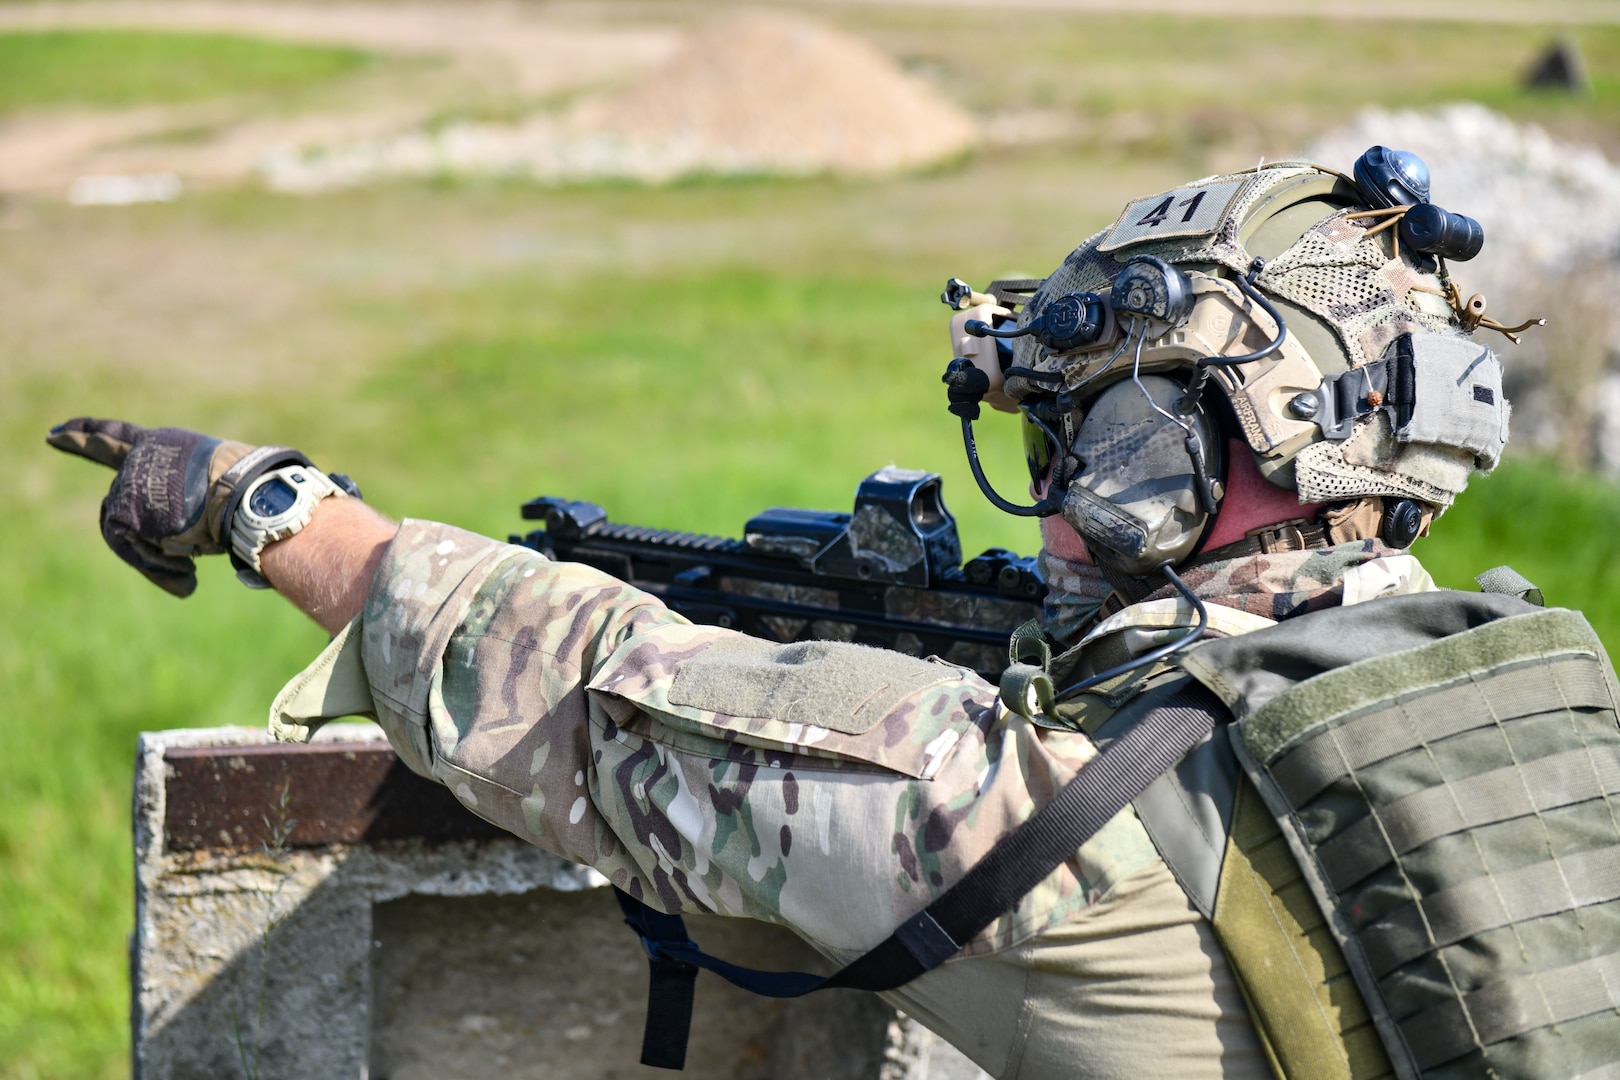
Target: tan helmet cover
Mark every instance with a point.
(1348, 295)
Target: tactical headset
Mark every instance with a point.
(1138, 386)
(1139, 470)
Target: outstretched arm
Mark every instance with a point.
(326, 569)
(549, 698)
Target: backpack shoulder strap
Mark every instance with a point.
(1173, 724)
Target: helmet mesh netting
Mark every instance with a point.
(1355, 283)
(1358, 284)
(1334, 270)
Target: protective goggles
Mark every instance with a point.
(1038, 448)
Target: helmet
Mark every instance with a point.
(1284, 311)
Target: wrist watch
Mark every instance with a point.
(275, 505)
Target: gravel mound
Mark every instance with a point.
(784, 95)
(757, 94)
(1551, 214)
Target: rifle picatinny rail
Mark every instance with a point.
(888, 574)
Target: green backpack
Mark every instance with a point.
(1408, 839)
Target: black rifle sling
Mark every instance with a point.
(1104, 787)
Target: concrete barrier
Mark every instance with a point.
(321, 911)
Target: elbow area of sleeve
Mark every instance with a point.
(423, 590)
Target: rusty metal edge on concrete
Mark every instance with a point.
(239, 797)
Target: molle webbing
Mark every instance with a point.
(1490, 901)
(1483, 799)
(1313, 764)
(1518, 1005)
(1455, 808)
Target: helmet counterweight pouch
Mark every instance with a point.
(1455, 809)
(1448, 392)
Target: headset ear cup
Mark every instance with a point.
(1136, 500)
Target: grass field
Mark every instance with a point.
(121, 67)
(684, 356)
(1188, 85)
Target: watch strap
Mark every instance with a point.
(235, 480)
(245, 544)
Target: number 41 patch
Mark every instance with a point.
(1198, 210)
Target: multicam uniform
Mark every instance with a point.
(830, 788)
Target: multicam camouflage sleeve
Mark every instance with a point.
(829, 787)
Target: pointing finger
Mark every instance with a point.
(105, 441)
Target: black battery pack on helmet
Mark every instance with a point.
(1433, 231)
(1153, 289)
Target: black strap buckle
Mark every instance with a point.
(669, 952)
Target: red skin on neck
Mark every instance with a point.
(1250, 503)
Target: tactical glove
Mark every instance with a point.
(174, 494)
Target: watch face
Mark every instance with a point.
(273, 498)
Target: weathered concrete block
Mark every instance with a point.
(321, 912)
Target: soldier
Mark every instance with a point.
(1299, 811)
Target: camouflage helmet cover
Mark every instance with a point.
(1375, 391)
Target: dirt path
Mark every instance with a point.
(475, 57)
(649, 100)
(545, 52)
(487, 52)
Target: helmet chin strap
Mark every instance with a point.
(1251, 501)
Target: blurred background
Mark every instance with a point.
(676, 258)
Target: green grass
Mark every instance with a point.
(693, 402)
(1182, 84)
(1560, 529)
(102, 68)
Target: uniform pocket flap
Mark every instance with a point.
(824, 699)
(833, 684)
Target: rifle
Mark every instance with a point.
(889, 574)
